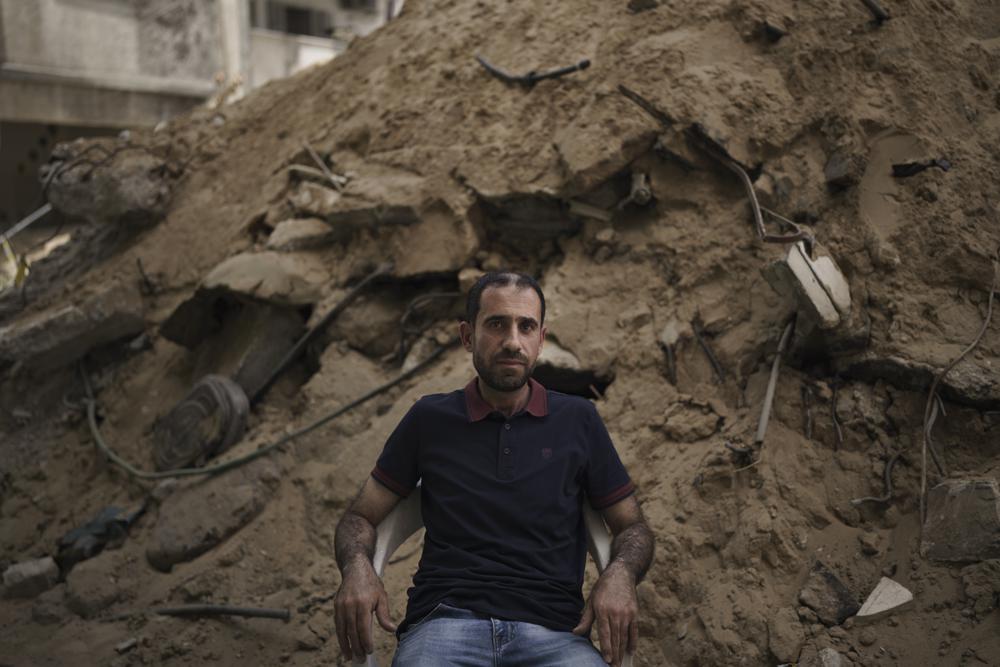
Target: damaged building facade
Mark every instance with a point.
(77, 68)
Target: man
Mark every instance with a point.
(504, 467)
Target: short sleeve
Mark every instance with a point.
(396, 468)
(607, 481)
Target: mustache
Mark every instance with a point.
(511, 357)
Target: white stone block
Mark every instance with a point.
(888, 596)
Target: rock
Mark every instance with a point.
(560, 370)
(843, 170)
(867, 637)
(826, 595)
(370, 324)
(59, 336)
(130, 188)
(785, 635)
(301, 234)
(197, 518)
(441, 242)
(93, 585)
(887, 597)
(50, 607)
(467, 278)
(870, 543)
(689, 420)
(826, 657)
(313, 200)
(817, 285)
(981, 583)
(279, 278)
(963, 521)
(30, 578)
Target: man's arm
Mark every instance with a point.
(361, 591)
(613, 604)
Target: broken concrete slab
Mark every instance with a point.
(826, 595)
(981, 585)
(887, 598)
(817, 285)
(60, 335)
(114, 183)
(963, 521)
(785, 635)
(197, 518)
(279, 278)
(441, 242)
(30, 578)
(968, 382)
(378, 196)
(301, 234)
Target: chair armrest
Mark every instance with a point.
(397, 527)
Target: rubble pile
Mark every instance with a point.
(716, 172)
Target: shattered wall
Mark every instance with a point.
(445, 170)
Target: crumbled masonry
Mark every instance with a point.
(208, 246)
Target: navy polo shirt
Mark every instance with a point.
(502, 501)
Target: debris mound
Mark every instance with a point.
(716, 170)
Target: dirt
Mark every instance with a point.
(474, 173)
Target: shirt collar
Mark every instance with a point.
(477, 408)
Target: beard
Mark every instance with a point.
(502, 378)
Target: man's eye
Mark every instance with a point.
(527, 326)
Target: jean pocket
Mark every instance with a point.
(440, 607)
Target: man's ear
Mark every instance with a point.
(541, 342)
(465, 333)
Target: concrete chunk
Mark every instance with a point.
(963, 521)
(826, 595)
(301, 234)
(887, 597)
(817, 285)
(285, 280)
(30, 578)
(59, 336)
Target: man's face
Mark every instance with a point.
(507, 337)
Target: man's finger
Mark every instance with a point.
(583, 627)
(616, 643)
(350, 623)
(365, 630)
(633, 636)
(604, 635)
(382, 614)
(341, 624)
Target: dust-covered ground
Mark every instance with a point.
(451, 169)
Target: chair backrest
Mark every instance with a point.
(405, 519)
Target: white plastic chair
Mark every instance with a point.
(405, 519)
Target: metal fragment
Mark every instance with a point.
(532, 77)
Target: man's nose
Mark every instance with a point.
(512, 341)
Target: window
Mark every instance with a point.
(290, 18)
(363, 5)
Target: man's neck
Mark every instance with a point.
(508, 403)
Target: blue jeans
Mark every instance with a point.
(451, 637)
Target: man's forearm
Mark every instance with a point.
(354, 540)
(632, 548)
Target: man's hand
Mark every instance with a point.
(614, 607)
(361, 593)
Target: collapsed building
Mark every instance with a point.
(766, 233)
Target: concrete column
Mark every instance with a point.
(234, 17)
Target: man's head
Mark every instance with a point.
(504, 328)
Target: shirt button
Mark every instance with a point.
(506, 450)
(507, 426)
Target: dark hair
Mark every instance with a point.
(499, 279)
